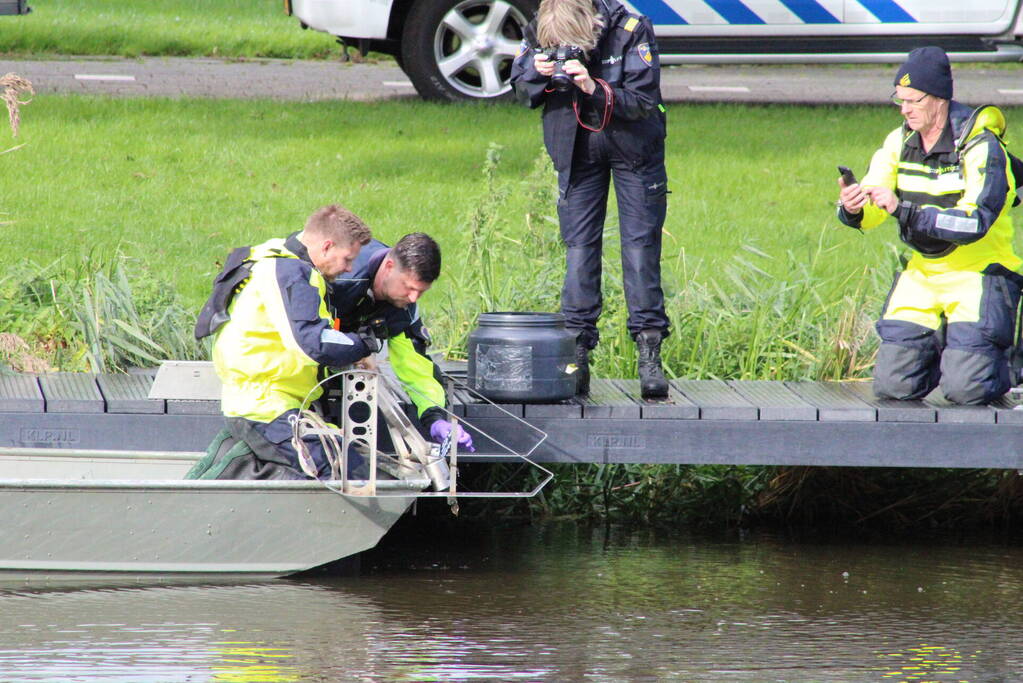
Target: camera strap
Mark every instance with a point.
(609, 106)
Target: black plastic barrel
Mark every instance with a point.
(522, 357)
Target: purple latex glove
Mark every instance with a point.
(440, 429)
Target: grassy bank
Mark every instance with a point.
(114, 215)
(222, 28)
(751, 250)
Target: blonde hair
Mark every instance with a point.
(338, 224)
(568, 22)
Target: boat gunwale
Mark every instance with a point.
(388, 487)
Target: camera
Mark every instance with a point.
(560, 54)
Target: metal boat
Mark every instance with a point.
(133, 513)
(68, 513)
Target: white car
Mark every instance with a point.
(463, 49)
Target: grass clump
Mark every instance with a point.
(102, 316)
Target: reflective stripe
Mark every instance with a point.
(888, 11)
(910, 166)
(946, 183)
(734, 12)
(329, 336)
(810, 12)
(659, 12)
(968, 226)
(741, 12)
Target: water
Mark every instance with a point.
(557, 603)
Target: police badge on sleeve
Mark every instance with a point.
(644, 52)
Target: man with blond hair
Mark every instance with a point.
(273, 332)
(594, 67)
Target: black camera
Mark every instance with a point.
(560, 54)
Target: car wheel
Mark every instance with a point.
(463, 49)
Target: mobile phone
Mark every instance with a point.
(848, 177)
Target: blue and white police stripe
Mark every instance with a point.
(753, 12)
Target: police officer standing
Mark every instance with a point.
(947, 179)
(594, 67)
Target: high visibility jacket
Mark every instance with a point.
(269, 353)
(954, 199)
(351, 300)
(626, 58)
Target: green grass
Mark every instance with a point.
(224, 28)
(761, 280)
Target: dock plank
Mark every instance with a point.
(192, 407)
(21, 394)
(774, 400)
(476, 407)
(953, 413)
(607, 401)
(716, 400)
(570, 409)
(130, 394)
(1009, 409)
(890, 410)
(833, 402)
(675, 407)
(71, 392)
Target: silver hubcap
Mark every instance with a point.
(475, 45)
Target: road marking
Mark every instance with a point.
(103, 77)
(719, 88)
(1010, 91)
(398, 84)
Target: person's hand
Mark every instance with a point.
(543, 65)
(580, 76)
(853, 197)
(367, 363)
(440, 429)
(884, 198)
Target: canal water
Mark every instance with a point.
(558, 602)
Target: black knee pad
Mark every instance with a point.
(969, 378)
(905, 372)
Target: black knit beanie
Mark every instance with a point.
(927, 69)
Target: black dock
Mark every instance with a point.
(703, 421)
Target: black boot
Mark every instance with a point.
(582, 370)
(652, 383)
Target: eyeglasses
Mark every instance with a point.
(899, 101)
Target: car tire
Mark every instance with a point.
(463, 49)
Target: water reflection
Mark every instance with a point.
(552, 603)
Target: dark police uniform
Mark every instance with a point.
(350, 298)
(630, 148)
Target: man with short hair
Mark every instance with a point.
(947, 179)
(381, 294)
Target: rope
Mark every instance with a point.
(332, 447)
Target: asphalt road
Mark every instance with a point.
(311, 80)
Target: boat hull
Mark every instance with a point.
(64, 515)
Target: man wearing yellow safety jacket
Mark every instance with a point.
(947, 179)
(273, 333)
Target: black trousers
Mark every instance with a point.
(641, 189)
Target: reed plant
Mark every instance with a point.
(98, 315)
